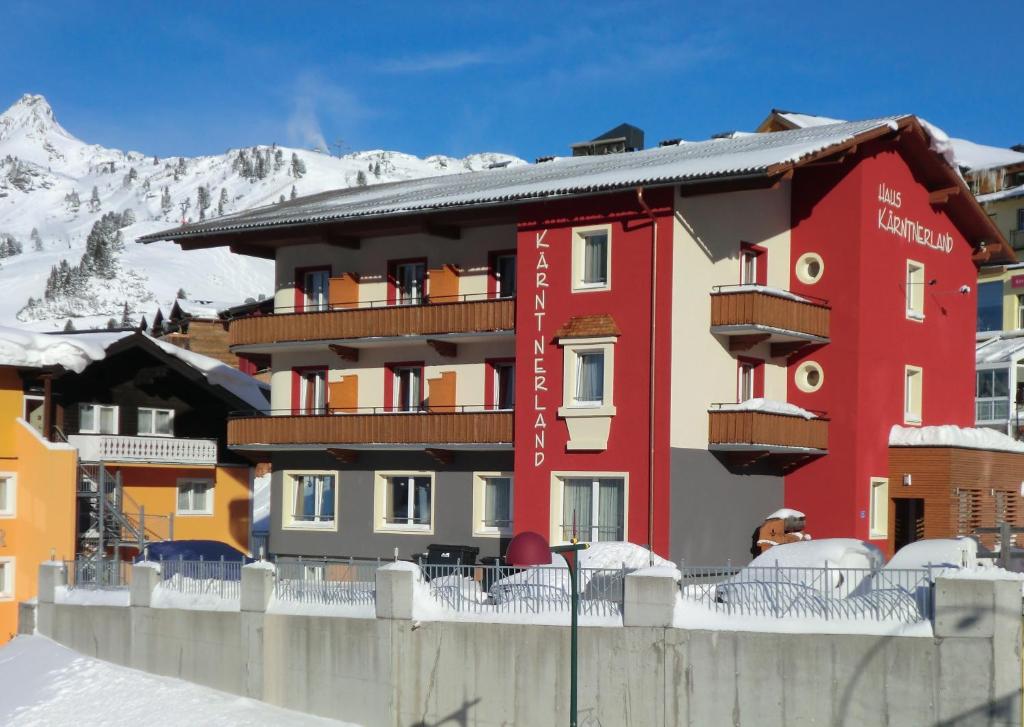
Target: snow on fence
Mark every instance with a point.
(504, 589)
(827, 593)
(210, 578)
(326, 581)
(93, 573)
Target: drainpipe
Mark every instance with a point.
(654, 339)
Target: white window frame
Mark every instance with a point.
(320, 390)
(878, 508)
(411, 297)
(8, 584)
(190, 512)
(571, 348)
(915, 284)
(316, 298)
(746, 381)
(557, 499)
(9, 509)
(381, 484)
(579, 238)
(480, 528)
(420, 374)
(288, 520)
(96, 418)
(154, 411)
(913, 394)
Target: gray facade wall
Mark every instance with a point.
(715, 512)
(354, 535)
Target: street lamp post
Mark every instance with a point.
(574, 580)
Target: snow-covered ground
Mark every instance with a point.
(43, 684)
(47, 178)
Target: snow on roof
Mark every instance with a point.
(1008, 193)
(999, 348)
(204, 308)
(976, 156)
(804, 121)
(717, 158)
(769, 406)
(949, 435)
(217, 373)
(38, 350)
(784, 513)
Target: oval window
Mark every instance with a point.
(809, 268)
(809, 377)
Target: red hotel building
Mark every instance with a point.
(661, 346)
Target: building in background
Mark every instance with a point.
(659, 346)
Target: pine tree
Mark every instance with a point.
(376, 169)
(94, 200)
(72, 200)
(223, 201)
(181, 294)
(361, 179)
(280, 199)
(298, 167)
(203, 200)
(278, 160)
(69, 326)
(261, 165)
(165, 201)
(37, 240)
(111, 324)
(180, 169)
(126, 317)
(127, 217)
(294, 193)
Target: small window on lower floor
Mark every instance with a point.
(492, 503)
(313, 499)
(6, 578)
(409, 501)
(195, 497)
(593, 508)
(7, 494)
(878, 508)
(912, 395)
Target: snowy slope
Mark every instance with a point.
(43, 167)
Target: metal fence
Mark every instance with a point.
(220, 578)
(258, 543)
(504, 589)
(848, 594)
(326, 581)
(96, 573)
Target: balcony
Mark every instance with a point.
(775, 436)
(150, 450)
(369, 428)
(262, 334)
(752, 314)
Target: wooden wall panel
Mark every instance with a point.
(444, 284)
(441, 392)
(343, 394)
(750, 307)
(754, 427)
(343, 291)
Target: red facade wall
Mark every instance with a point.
(837, 213)
(539, 358)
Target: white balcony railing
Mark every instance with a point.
(167, 450)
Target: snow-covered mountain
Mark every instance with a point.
(54, 188)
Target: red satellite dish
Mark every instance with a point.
(526, 549)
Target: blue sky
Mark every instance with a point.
(523, 77)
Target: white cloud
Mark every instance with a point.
(315, 100)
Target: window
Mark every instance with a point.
(990, 306)
(912, 395)
(750, 381)
(878, 508)
(504, 383)
(1020, 218)
(992, 395)
(8, 494)
(753, 264)
(503, 269)
(409, 279)
(314, 291)
(195, 497)
(591, 265)
(589, 389)
(593, 508)
(313, 499)
(492, 503)
(156, 422)
(407, 387)
(809, 377)
(407, 500)
(34, 412)
(1020, 311)
(915, 290)
(97, 419)
(809, 268)
(6, 578)
(309, 390)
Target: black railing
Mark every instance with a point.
(395, 303)
(381, 410)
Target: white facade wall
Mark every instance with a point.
(707, 234)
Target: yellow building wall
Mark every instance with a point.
(156, 490)
(43, 523)
(1010, 293)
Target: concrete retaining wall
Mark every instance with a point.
(402, 672)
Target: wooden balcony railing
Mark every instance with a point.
(756, 430)
(480, 427)
(469, 316)
(747, 308)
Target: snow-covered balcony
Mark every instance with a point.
(772, 433)
(752, 314)
(373, 325)
(155, 450)
(369, 428)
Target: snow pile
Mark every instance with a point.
(164, 597)
(975, 157)
(92, 596)
(619, 554)
(766, 290)
(32, 350)
(954, 553)
(769, 406)
(1008, 193)
(949, 435)
(784, 513)
(940, 143)
(804, 121)
(47, 684)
